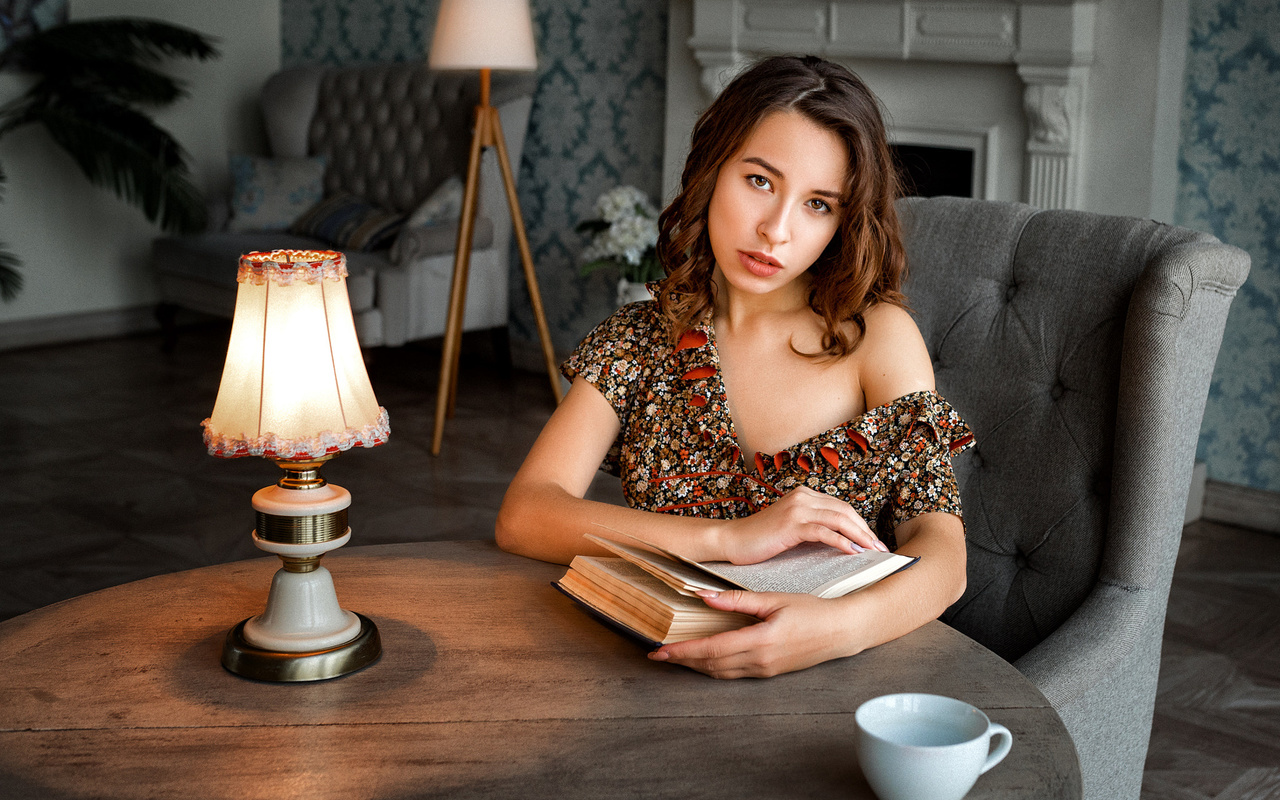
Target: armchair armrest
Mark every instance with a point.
(436, 239)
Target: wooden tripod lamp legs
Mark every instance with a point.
(488, 133)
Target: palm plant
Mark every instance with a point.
(91, 79)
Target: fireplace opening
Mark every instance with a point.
(928, 171)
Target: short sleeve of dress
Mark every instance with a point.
(616, 357)
(918, 435)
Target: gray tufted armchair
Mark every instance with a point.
(391, 134)
(1079, 347)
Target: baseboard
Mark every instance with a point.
(1242, 505)
(66, 328)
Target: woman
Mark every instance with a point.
(780, 322)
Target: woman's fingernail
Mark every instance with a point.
(707, 594)
(658, 655)
(881, 546)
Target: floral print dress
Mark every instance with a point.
(677, 451)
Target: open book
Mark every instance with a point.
(650, 592)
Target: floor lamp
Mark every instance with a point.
(484, 35)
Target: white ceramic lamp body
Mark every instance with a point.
(302, 613)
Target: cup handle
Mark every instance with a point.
(1002, 749)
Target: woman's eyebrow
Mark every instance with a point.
(777, 173)
(765, 165)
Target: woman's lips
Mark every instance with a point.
(759, 264)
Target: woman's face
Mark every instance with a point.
(776, 202)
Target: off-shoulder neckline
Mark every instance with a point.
(707, 327)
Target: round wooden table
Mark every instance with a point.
(491, 684)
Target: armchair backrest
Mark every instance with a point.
(392, 132)
(1067, 342)
(1079, 347)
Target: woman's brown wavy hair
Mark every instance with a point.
(863, 265)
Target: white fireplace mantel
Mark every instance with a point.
(1067, 103)
(1050, 42)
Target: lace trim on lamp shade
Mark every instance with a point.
(283, 267)
(270, 445)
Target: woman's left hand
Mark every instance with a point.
(796, 631)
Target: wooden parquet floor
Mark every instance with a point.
(103, 480)
(1216, 732)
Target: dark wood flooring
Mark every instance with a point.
(104, 479)
(1216, 732)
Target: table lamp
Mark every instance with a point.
(484, 35)
(294, 390)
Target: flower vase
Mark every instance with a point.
(632, 292)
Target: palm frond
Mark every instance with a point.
(90, 74)
(125, 81)
(10, 280)
(114, 39)
(121, 149)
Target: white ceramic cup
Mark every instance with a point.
(926, 747)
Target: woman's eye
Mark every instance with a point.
(758, 181)
(820, 205)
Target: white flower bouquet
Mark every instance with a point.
(625, 236)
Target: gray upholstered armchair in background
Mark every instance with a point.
(391, 135)
(1079, 347)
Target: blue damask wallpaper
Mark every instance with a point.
(1229, 171)
(597, 121)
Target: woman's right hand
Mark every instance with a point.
(802, 515)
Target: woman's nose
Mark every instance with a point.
(775, 225)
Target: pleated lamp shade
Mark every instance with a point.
(483, 34)
(294, 386)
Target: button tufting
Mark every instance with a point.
(1020, 560)
(1010, 292)
(975, 458)
(1057, 391)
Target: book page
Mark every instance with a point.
(805, 568)
(808, 568)
(637, 600)
(683, 577)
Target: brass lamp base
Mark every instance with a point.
(244, 659)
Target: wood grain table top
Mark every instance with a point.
(491, 684)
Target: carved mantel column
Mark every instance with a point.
(1055, 49)
(1052, 101)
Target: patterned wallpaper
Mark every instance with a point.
(596, 122)
(1229, 171)
(21, 18)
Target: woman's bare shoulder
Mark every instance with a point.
(892, 357)
(888, 319)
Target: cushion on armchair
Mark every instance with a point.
(268, 194)
(347, 222)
